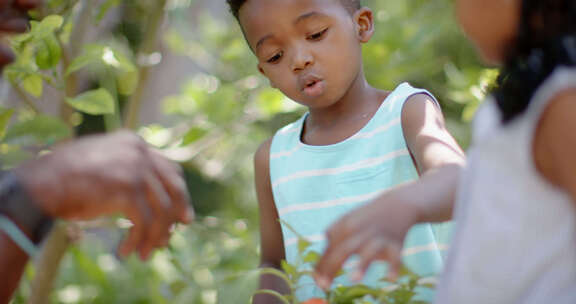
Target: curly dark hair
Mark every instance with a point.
(546, 39)
(236, 5)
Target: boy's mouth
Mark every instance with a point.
(312, 86)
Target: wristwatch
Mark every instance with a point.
(17, 205)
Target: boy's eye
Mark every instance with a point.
(317, 35)
(275, 58)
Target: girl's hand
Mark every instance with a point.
(374, 232)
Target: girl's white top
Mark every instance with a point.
(515, 235)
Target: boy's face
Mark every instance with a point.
(309, 49)
(490, 24)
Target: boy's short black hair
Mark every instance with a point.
(235, 5)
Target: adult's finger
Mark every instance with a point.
(162, 217)
(136, 210)
(27, 4)
(6, 56)
(5, 3)
(170, 175)
(13, 24)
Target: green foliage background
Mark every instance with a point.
(212, 125)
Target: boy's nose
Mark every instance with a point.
(302, 60)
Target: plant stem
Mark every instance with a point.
(48, 264)
(57, 243)
(148, 46)
(25, 98)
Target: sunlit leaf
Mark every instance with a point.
(46, 27)
(33, 84)
(289, 269)
(303, 244)
(42, 129)
(193, 135)
(48, 52)
(105, 7)
(95, 102)
(311, 257)
(90, 54)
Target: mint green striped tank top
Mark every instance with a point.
(313, 186)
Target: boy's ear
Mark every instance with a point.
(364, 19)
(263, 73)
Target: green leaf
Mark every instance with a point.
(90, 54)
(358, 291)
(289, 269)
(41, 129)
(311, 257)
(193, 135)
(89, 267)
(33, 84)
(105, 7)
(303, 244)
(95, 102)
(274, 293)
(48, 52)
(12, 156)
(47, 26)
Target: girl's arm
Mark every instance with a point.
(272, 243)
(554, 145)
(377, 230)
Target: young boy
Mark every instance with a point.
(355, 142)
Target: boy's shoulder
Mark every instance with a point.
(262, 156)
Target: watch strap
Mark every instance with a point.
(16, 204)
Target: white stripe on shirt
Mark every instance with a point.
(361, 135)
(366, 163)
(327, 204)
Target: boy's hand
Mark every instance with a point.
(111, 174)
(374, 232)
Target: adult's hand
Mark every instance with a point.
(111, 174)
(13, 20)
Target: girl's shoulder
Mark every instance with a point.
(554, 143)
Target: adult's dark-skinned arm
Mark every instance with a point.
(115, 174)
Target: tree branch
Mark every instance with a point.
(57, 244)
(148, 46)
(48, 264)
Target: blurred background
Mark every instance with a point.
(180, 74)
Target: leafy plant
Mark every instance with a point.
(403, 291)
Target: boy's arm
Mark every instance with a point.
(555, 143)
(377, 230)
(271, 240)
